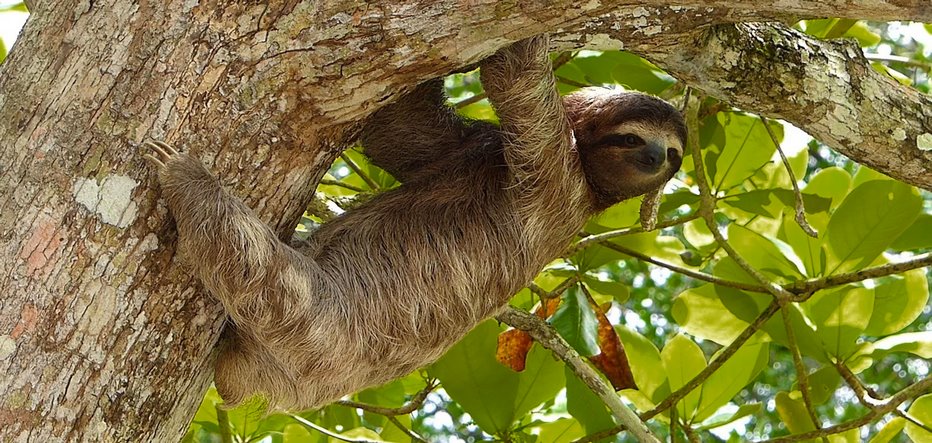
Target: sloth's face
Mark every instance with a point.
(629, 143)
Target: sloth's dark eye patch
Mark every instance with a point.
(622, 140)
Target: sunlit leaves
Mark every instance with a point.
(867, 221)
(683, 360)
(471, 376)
(576, 322)
(921, 411)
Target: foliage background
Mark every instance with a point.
(854, 341)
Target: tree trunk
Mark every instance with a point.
(102, 336)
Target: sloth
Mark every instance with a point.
(389, 286)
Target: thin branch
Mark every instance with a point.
(548, 338)
(912, 391)
(799, 207)
(468, 101)
(544, 295)
(899, 59)
(571, 82)
(719, 360)
(223, 423)
(352, 165)
(589, 239)
(408, 408)
(327, 181)
(802, 377)
(919, 261)
(328, 432)
(707, 207)
(398, 424)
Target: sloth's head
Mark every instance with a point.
(629, 143)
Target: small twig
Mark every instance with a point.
(707, 208)
(563, 58)
(327, 181)
(328, 432)
(398, 424)
(719, 360)
(571, 82)
(556, 292)
(919, 261)
(548, 338)
(408, 408)
(799, 208)
(686, 271)
(223, 423)
(352, 165)
(914, 390)
(899, 59)
(866, 397)
(599, 238)
(468, 101)
(802, 377)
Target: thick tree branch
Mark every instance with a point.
(548, 338)
(826, 88)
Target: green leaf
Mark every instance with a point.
(720, 420)
(864, 225)
(646, 364)
(832, 183)
(576, 322)
(772, 202)
(563, 430)
(747, 148)
(606, 290)
(471, 376)
(889, 430)
(918, 343)
(921, 411)
(540, 381)
(585, 406)
(793, 413)
(898, 300)
(916, 236)
(730, 378)
(823, 383)
(767, 254)
(682, 361)
(840, 316)
(700, 312)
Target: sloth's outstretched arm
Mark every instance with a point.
(539, 148)
(233, 253)
(413, 132)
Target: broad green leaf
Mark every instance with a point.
(823, 383)
(585, 406)
(767, 254)
(595, 256)
(808, 249)
(682, 361)
(646, 364)
(606, 290)
(471, 376)
(576, 322)
(849, 436)
(563, 430)
(918, 343)
(832, 183)
(921, 411)
(747, 148)
(889, 431)
(864, 225)
(732, 377)
(772, 202)
(700, 312)
(540, 381)
(719, 420)
(916, 236)
(807, 339)
(793, 412)
(898, 300)
(840, 316)
(621, 215)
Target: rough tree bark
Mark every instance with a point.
(102, 336)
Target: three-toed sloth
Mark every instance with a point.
(389, 286)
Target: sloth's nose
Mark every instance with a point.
(652, 157)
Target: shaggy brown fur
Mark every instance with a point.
(388, 287)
